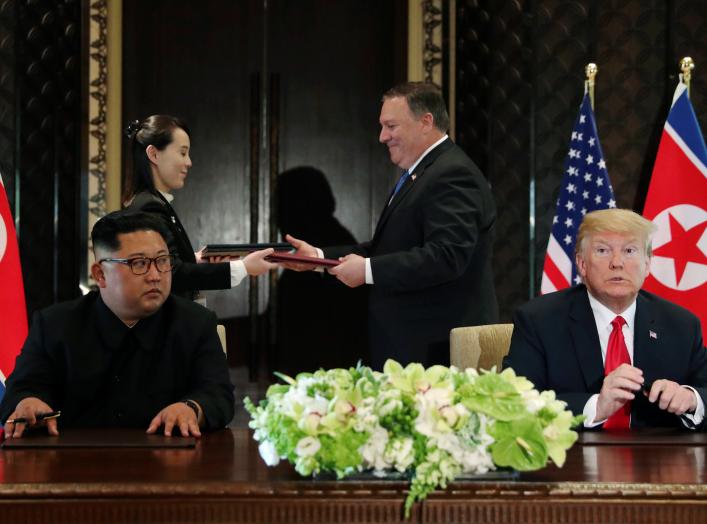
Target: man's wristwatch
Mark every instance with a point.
(192, 405)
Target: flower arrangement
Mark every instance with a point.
(433, 424)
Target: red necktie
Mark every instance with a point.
(617, 354)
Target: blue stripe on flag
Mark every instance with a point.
(683, 120)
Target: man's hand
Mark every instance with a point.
(618, 388)
(351, 271)
(176, 415)
(674, 398)
(28, 408)
(302, 249)
(255, 263)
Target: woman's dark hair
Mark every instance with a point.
(155, 130)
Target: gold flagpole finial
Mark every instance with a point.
(591, 71)
(686, 66)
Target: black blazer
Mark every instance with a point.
(431, 260)
(81, 359)
(556, 346)
(189, 276)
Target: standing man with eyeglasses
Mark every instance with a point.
(128, 355)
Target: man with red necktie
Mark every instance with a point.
(623, 357)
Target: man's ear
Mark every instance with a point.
(581, 266)
(427, 120)
(152, 153)
(98, 274)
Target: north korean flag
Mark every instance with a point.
(13, 314)
(676, 203)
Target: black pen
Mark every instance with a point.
(41, 416)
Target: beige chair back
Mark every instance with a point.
(480, 347)
(221, 330)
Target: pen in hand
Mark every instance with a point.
(39, 417)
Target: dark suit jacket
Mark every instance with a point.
(81, 359)
(556, 346)
(189, 276)
(431, 260)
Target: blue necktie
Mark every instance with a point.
(401, 181)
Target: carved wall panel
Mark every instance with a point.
(7, 98)
(48, 76)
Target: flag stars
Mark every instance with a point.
(582, 119)
(590, 159)
(569, 205)
(592, 141)
(600, 181)
(577, 279)
(584, 211)
(569, 222)
(567, 240)
(585, 195)
(612, 202)
(574, 135)
(602, 164)
(573, 153)
(554, 219)
(587, 177)
(571, 188)
(597, 199)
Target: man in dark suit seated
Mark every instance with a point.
(621, 356)
(428, 265)
(129, 355)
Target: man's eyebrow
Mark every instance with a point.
(143, 254)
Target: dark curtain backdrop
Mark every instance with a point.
(519, 85)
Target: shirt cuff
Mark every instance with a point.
(698, 416)
(369, 272)
(238, 272)
(590, 411)
(320, 254)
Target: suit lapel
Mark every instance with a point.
(410, 184)
(645, 346)
(585, 338)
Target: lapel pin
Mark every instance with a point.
(652, 334)
(413, 177)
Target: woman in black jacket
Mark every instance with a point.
(160, 154)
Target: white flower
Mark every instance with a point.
(449, 414)
(373, 451)
(533, 401)
(269, 453)
(307, 446)
(400, 453)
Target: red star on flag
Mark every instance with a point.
(682, 247)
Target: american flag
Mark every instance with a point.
(585, 187)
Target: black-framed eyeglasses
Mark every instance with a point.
(141, 265)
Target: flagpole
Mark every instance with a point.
(591, 71)
(686, 66)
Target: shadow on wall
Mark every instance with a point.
(322, 323)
